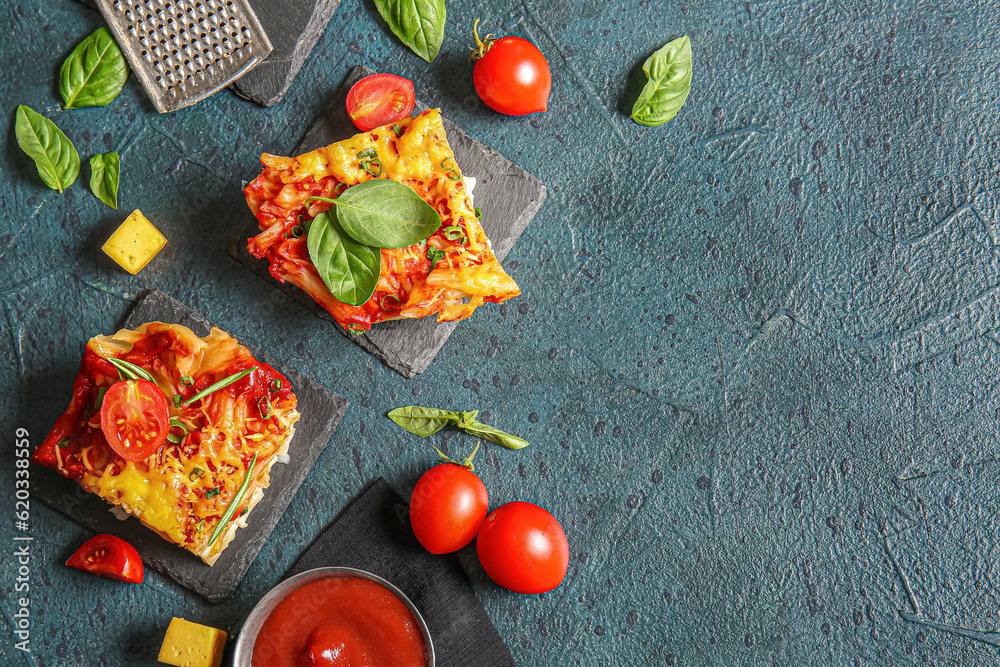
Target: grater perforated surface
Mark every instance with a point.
(184, 50)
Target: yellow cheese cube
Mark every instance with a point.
(134, 243)
(189, 644)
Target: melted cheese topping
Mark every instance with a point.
(419, 157)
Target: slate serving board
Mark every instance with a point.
(508, 195)
(293, 27)
(321, 411)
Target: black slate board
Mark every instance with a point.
(293, 27)
(321, 411)
(508, 196)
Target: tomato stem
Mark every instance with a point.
(482, 47)
(465, 463)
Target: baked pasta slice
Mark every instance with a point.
(150, 430)
(451, 273)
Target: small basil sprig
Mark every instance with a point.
(350, 270)
(55, 156)
(104, 171)
(428, 421)
(384, 213)
(669, 74)
(419, 24)
(94, 72)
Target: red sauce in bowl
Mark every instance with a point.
(340, 621)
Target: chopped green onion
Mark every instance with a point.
(198, 526)
(187, 380)
(178, 399)
(100, 398)
(357, 328)
(130, 370)
(454, 233)
(245, 510)
(195, 474)
(233, 503)
(225, 382)
(264, 407)
(339, 190)
(451, 169)
(434, 255)
(62, 444)
(398, 130)
(296, 232)
(390, 302)
(369, 161)
(276, 384)
(213, 492)
(176, 423)
(479, 212)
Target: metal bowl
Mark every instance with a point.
(254, 622)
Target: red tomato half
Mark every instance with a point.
(511, 75)
(135, 418)
(447, 507)
(109, 557)
(380, 99)
(523, 548)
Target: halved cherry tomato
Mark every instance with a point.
(447, 507)
(523, 548)
(135, 418)
(109, 557)
(380, 99)
(511, 74)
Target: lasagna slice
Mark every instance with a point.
(451, 273)
(195, 489)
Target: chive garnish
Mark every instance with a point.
(264, 407)
(225, 382)
(187, 380)
(479, 212)
(198, 526)
(62, 444)
(434, 255)
(233, 503)
(176, 423)
(357, 328)
(398, 130)
(213, 492)
(339, 190)
(393, 302)
(454, 233)
(130, 370)
(100, 398)
(451, 169)
(178, 399)
(296, 231)
(368, 160)
(196, 473)
(276, 384)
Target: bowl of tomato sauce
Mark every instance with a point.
(333, 617)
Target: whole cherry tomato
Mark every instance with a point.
(135, 418)
(380, 99)
(511, 74)
(523, 548)
(109, 557)
(448, 505)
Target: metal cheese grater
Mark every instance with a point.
(185, 50)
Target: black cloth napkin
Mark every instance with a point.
(373, 534)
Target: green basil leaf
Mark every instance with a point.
(419, 24)
(424, 421)
(55, 156)
(104, 171)
(385, 214)
(468, 417)
(349, 269)
(669, 74)
(487, 432)
(94, 72)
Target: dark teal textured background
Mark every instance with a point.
(755, 353)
